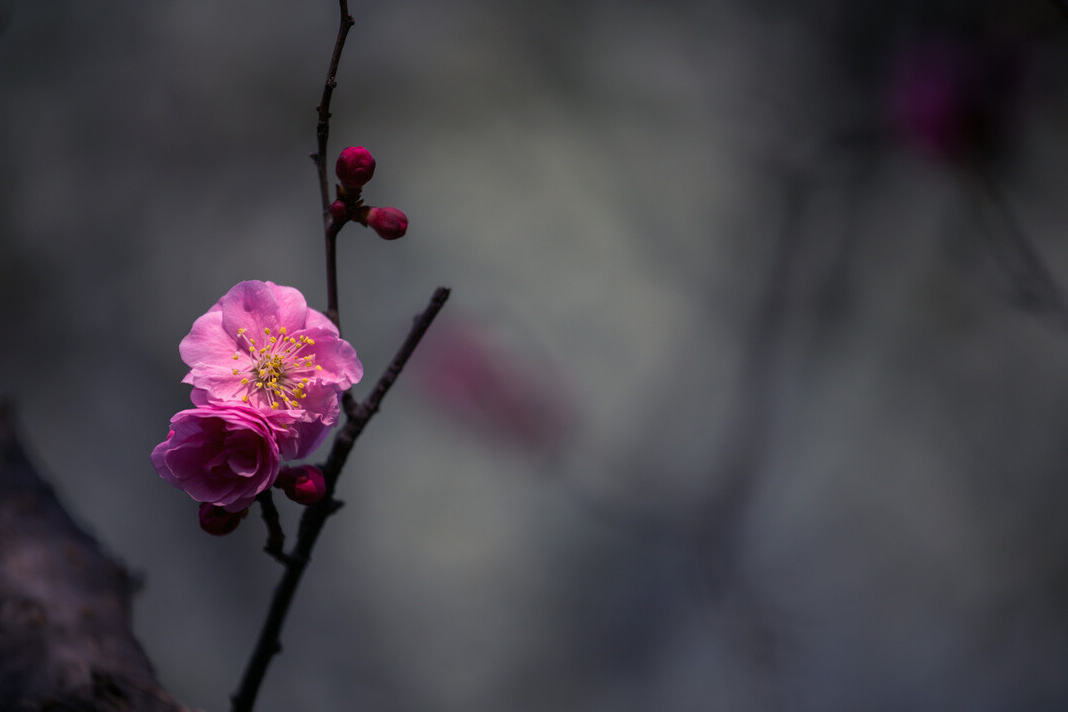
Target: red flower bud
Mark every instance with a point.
(303, 485)
(217, 521)
(389, 223)
(355, 166)
(339, 210)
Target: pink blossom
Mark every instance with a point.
(263, 346)
(222, 455)
(295, 438)
(492, 386)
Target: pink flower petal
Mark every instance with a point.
(207, 343)
(251, 306)
(292, 308)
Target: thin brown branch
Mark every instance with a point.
(276, 538)
(315, 516)
(322, 132)
(359, 415)
(331, 273)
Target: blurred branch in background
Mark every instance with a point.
(66, 638)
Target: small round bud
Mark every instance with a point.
(303, 485)
(217, 521)
(389, 223)
(355, 166)
(339, 210)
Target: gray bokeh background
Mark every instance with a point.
(851, 499)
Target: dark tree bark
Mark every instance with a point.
(65, 636)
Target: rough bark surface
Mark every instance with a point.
(65, 635)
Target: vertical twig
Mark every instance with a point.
(331, 273)
(322, 132)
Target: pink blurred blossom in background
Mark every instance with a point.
(955, 99)
(491, 387)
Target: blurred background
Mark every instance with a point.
(751, 393)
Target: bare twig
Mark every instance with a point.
(322, 132)
(331, 272)
(358, 415)
(276, 539)
(315, 516)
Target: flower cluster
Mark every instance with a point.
(355, 166)
(267, 375)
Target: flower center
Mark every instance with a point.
(278, 372)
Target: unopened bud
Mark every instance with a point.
(303, 485)
(217, 521)
(355, 166)
(339, 210)
(389, 223)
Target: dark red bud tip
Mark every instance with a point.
(389, 223)
(303, 485)
(339, 210)
(217, 521)
(355, 166)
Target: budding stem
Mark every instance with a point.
(315, 515)
(322, 132)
